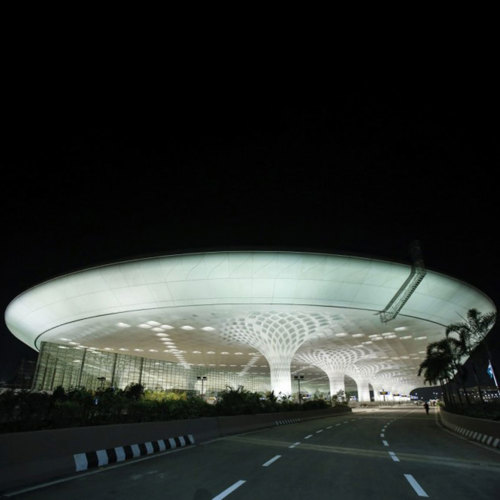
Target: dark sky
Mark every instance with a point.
(367, 171)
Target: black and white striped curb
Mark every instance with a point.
(89, 459)
(477, 436)
(287, 421)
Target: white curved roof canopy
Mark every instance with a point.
(207, 301)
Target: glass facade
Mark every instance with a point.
(61, 365)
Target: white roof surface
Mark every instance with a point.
(104, 307)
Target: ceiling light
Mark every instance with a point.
(167, 327)
(405, 337)
(358, 335)
(160, 334)
(123, 349)
(145, 325)
(139, 350)
(341, 334)
(156, 329)
(187, 327)
(153, 350)
(153, 323)
(208, 328)
(420, 338)
(123, 325)
(400, 328)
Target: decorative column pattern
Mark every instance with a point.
(277, 335)
(334, 362)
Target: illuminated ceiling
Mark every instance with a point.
(250, 312)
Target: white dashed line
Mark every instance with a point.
(229, 490)
(329, 427)
(385, 442)
(321, 430)
(336, 425)
(308, 436)
(393, 456)
(294, 444)
(418, 489)
(382, 435)
(269, 462)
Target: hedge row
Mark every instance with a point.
(26, 410)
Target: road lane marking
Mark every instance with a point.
(336, 425)
(229, 490)
(345, 422)
(418, 489)
(269, 462)
(329, 427)
(321, 430)
(308, 436)
(393, 456)
(385, 442)
(294, 444)
(382, 435)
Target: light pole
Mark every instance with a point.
(202, 381)
(298, 378)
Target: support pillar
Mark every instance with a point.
(337, 382)
(281, 378)
(363, 390)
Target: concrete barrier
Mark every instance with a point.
(478, 429)
(28, 458)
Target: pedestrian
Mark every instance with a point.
(426, 406)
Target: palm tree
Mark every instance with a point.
(439, 364)
(471, 333)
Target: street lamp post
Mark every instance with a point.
(298, 378)
(202, 381)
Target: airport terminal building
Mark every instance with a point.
(205, 321)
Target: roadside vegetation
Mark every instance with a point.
(445, 365)
(29, 410)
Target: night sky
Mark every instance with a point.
(87, 181)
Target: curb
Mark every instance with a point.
(99, 458)
(287, 421)
(475, 436)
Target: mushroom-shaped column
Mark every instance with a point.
(277, 335)
(334, 362)
(363, 388)
(364, 372)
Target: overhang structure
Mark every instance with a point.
(271, 313)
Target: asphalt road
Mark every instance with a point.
(377, 454)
